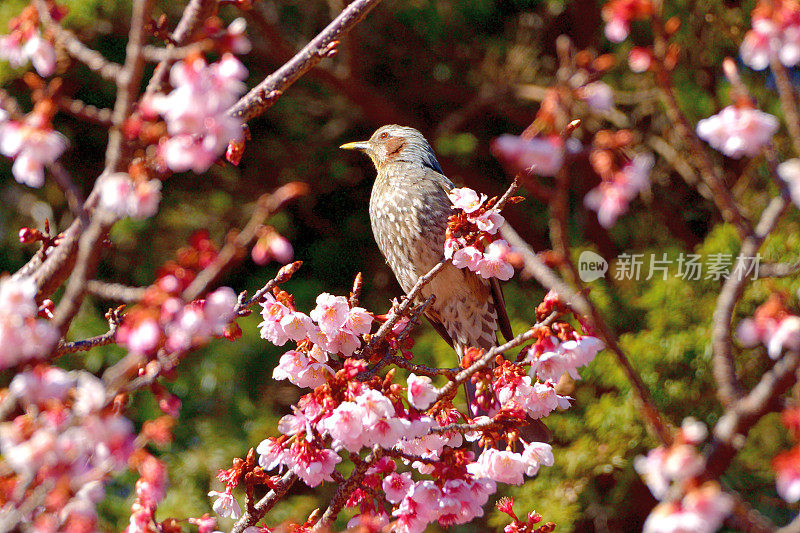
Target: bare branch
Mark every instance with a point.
(724, 368)
(259, 99)
(93, 59)
(115, 291)
(262, 507)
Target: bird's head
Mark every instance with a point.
(392, 143)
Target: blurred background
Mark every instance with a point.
(463, 72)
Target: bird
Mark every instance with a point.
(409, 208)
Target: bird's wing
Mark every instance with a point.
(500, 305)
(436, 322)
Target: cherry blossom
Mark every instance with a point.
(226, 505)
(775, 30)
(773, 326)
(789, 172)
(702, 510)
(33, 144)
(196, 112)
(19, 47)
(738, 131)
(619, 14)
(23, 336)
(611, 198)
(543, 156)
(122, 197)
(421, 391)
(787, 475)
(598, 96)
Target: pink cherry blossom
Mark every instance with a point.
(313, 466)
(611, 198)
(738, 132)
(271, 454)
(19, 47)
(226, 505)
(490, 222)
(467, 257)
(494, 263)
(33, 144)
(786, 336)
(196, 112)
(702, 510)
(421, 391)
(543, 156)
(396, 486)
(466, 199)
(331, 313)
(358, 322)
(787, 475)
(501, 466)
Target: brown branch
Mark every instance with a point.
(263, 506)
(127, 85)
(398, 313)
(786, 94)
(731, 429)
(89, 248)
(84, 111)
(195, 13)
(487, 358)
(339, 499)
(258, 100)
(115, 291)
(71, 192)
(284, 274)
(114, 317)
(584, 306)
(171, 54)
(724, 367)
(93, 59)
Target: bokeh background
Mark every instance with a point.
(463, 72)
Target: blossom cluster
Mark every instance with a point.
(32, 143)
(623, 178)
(346, 414)
(738, 131)
(333, 326)
(124, 197)
(702, 507)
(25, 42)
(772, 325)
(64, 438)
(163, 320)
(23, 336)
(775, 31)
(471, 236)
(196, 112)
(542, 155)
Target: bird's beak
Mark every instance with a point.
(360, 145)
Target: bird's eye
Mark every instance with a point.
(383, 135)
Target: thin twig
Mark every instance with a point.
(261, 97)
(262, 507)
(485, 359)
(724, 368)
(84, 111)
(195, 13)
(93, 59)
(408, 301)
(343, 492)
(115, 291)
